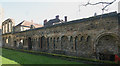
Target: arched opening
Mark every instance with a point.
(106, 47)
(82, 38)
(76, 42)
(48, 43)
(64, 42)
(39, 42)
(29, 44)
(43, 42)
(88, 39)
(54, 43)
(15, 44)
(57, 39)
(71, 42)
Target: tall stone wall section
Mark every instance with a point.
(81, 38)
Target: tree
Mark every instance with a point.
(105, 3)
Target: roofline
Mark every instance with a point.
(77, 21)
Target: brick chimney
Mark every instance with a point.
(65, 18)
(57, 17)
(45, 21)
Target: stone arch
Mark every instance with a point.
(54, 43)
(51, 40)
(64, 42)
(71, 43)
(48, 43)
(76, 42)
(29, 43)
(82, 38)
(15, 44)
(57, 39)
(106, 45)
(39, 42)
(24, 41)
(88, 38)
(9, 39)
(43, 42)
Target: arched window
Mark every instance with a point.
(81, 38)
(88, 39)
(39, 40)
(48, 43)
(64, 42)
(54, 43)
(51, 40)
(58, 39)
(42, 41)
(76, 42)
(71, 42)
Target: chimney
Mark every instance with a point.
(45, 21)
(95, 14)
(65, 18)
(57, 17)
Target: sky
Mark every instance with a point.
(39, 10)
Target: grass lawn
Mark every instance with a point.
(7, 61)
(14, 57)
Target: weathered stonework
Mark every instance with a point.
(83, 38)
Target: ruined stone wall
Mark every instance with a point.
(81, 38)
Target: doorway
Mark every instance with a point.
(29, 44)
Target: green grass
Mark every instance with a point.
(11, 56)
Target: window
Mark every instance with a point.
(21, 41)
(54, 42)
(9, 26)
(48, 43)
(6, 40)
(81, 38)
(76, 42)
(21, 28)
(71, 42)
(58, 39)
(3, 29)
(6, 28)
(88, 38)
(51, 40)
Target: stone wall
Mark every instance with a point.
(83, 38)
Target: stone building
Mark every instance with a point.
(54, 21)
(25, 25)
(88, 37)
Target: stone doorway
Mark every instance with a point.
(64, 42)
(105, 56)
(29, 44)
(15, 44)
(43, 43)
(106, 47)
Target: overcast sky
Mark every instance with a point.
(38, 10)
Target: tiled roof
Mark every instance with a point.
(27, 23)
(111, 14)
(37, 25)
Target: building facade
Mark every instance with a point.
(88, 37)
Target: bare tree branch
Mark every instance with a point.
(107, 4)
